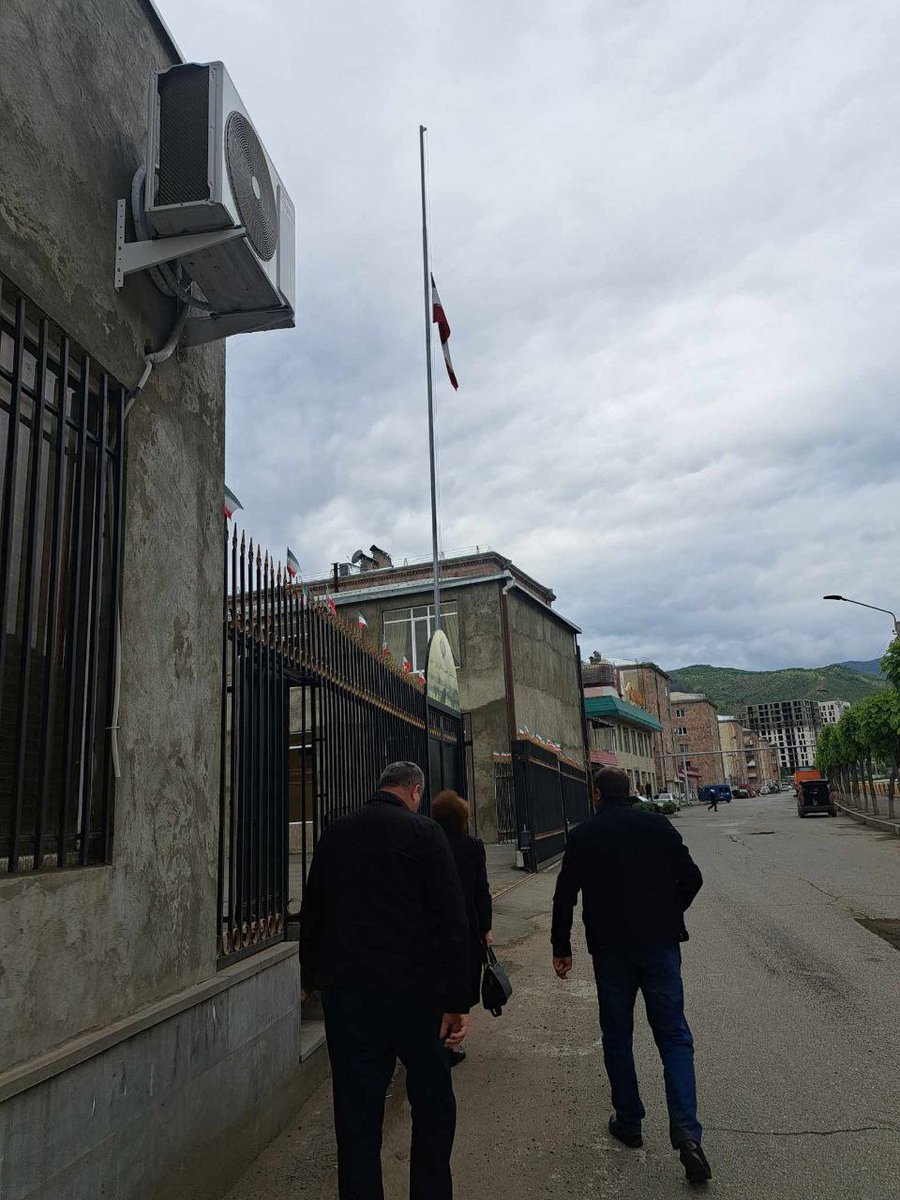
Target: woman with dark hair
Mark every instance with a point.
(452, 814)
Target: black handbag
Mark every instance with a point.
(495, 986)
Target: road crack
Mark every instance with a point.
(804, 1132)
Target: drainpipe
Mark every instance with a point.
(511, 723)
(579, 683)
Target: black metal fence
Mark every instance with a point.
(61, 526)
(311, 714)
(551, 796)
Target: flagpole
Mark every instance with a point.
(426, 272)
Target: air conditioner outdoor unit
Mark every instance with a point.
(207, 172)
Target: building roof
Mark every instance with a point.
(483, 561)
(424, 587)
(612, 706)
(688, 697)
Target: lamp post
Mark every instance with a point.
(874, 608)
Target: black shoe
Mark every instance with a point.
(454, 1057)
(696, 1168)
(633, 1141)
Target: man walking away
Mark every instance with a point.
(384, 935)
(637, 879)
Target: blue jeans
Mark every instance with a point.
(656, 970)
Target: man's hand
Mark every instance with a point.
(489, 938)
(562, 966)
(454, 1028)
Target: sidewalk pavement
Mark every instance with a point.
(884, 824)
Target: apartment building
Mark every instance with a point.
(647, 685)
(831, 711)
(747, 759)
(695, 731)
(791, 726)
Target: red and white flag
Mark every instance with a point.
(384, 649)
(407, 665)
(439, 317)
(361, 621)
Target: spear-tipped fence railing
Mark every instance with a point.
(302, 688)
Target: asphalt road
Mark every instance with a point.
(795, 1009)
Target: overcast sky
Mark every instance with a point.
(665, 235)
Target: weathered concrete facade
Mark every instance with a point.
(100, 942)
(88, 953)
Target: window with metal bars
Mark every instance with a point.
(61, 522)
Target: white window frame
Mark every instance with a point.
(408, 618)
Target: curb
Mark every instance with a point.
(881, 823)
(526, 875)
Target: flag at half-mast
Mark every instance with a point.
(293, 564)
(439, 317)
(231, 503)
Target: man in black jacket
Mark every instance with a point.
(637, 879)
(384, 935)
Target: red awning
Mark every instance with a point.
(604, 757)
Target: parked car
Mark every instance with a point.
(814, 796)
(740, 793)
(662, 798)
(721, 791)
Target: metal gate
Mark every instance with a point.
(504, 797)
(551, 795)
(311, 714)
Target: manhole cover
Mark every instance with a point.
(884, 927)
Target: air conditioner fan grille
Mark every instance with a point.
(248, 174)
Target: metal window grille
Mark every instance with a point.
(61, 519)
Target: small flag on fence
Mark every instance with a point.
(231, 503)
(384, 649)
(439, 317)
(332, 605)
(293, 565)
(361, 621)
(407, 665)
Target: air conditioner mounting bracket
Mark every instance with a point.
(140, 256)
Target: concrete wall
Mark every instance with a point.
(80, 948)
(175, 1111)
(482, 691)
(545, 675)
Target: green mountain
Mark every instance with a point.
(729, 688)
(872, 667)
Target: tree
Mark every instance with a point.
(890, 664)
(879, 724)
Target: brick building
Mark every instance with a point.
(647, 685)
(695, 729)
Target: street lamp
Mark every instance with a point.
(874, 607)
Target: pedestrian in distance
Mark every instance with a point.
(713, 802)
(452, 814)
(384, 936)
(636, 879)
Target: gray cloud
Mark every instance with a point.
(666, 238)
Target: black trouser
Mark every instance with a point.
(367, 1033)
